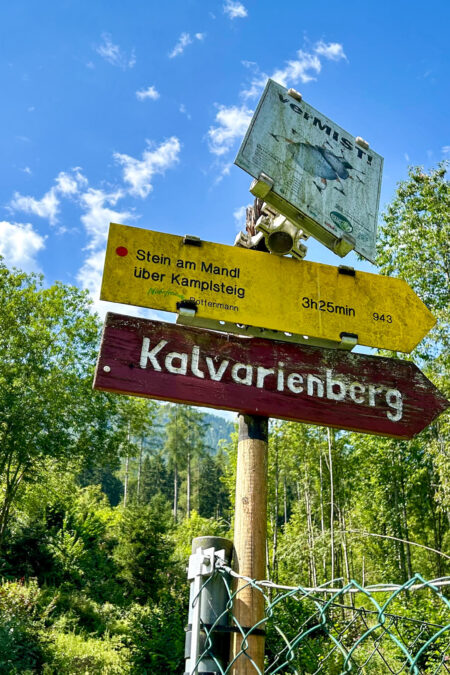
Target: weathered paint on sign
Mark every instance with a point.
(316, 166)
(241, 286)
(264, 377)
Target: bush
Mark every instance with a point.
(156, 638)
(22, 641)
(73, 653)
(195, 526)
(75, 611)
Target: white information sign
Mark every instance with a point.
(316, 167)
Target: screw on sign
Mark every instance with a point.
(266, 378)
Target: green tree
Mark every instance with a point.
(136, 418)
(155, 477)
(213, 501)
(48, 338)
(105, 476)
(143, 550)
(185, 433)
(413, 243)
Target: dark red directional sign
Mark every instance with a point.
(263, 377)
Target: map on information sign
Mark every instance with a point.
(316, 166)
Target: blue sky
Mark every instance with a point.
(133, 112)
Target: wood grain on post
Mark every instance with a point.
(250, 531)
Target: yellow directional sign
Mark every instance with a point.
(237, 285)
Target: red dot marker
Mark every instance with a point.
(122, 251)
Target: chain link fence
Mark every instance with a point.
(331, 629)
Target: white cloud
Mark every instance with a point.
(19, 245)
(99, 211)
(222, 171)
(46, 207)
(333, 50)
(67, 185)
(239, 216)
(184, 111)
(90, 274)
(113, 54)
(232, 123)
(90, 278)
(150, 92)
(301, 69)
(304, 68)
(139, 172)
(234, 9)
(184, 40)
(446, 149)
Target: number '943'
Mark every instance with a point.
(382, 317)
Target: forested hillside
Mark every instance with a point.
(217, 428)
(101, 495)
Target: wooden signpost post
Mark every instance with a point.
(245, 287)
(250, 534)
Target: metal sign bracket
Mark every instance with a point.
(185, 318)
(262, 187)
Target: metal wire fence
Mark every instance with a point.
(331, 629)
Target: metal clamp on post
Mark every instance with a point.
(187, 308)
(348, 341)
(344, 245)
(346, 270)
(191, 240)
(245, 240)
(208, 617)
(261, 186)
(282, 236)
